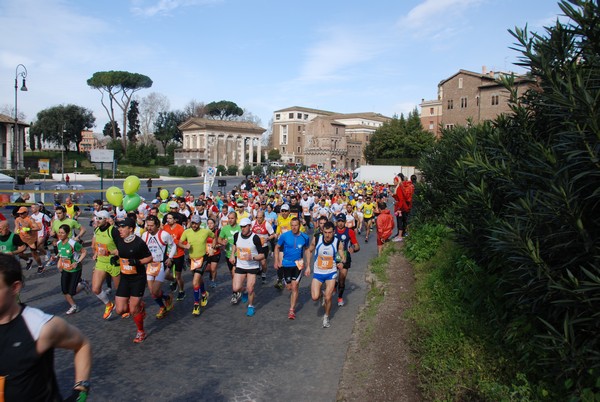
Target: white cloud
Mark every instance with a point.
(340, 49)
(140, 7)
(432, 15)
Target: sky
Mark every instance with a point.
(345, 56)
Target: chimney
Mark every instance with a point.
(483, 70)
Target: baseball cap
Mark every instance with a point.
(173, 204)
(340, 217)
(22, 210)
(102, 214)
(245, 222)
(285, 207)
(155, 201)
(126, 222)
(195, 219)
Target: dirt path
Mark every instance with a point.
(378, 364)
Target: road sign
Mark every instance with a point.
(102, 155)
(44, 166)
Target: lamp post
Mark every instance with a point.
(16, 136)
(62, 152)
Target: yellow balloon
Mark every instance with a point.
(131, 185)
(114, 195)
(164, 194)
(179, 192)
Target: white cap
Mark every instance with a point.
(173, 204)
(102, 214)
(245, 222)
(285, 207)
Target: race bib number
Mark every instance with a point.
(153, 268)
(64, 263)
(325, 262)
(210, 250)
(196, 263)
(126, 268)
(244, 254)
(102, 250)
(263, 240)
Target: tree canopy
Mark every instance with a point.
(166, 128)
(63, 124)
(120, 87)
(399, 138)
(223, 110)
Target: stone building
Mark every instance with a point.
(467, 95)
(7, 141)
(292, 129)
(208, 142)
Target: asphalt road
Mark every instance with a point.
(222, 355)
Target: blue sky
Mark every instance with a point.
(344, 56)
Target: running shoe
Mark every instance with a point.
(245, 297)
(367, 239)
(213, 284)
(162, 312)
(125, 315)
(291, 314)
(278, 285)
(250, 311)
(139, 337)
(40, 269)
(180, 296)
(204, 300)
(196, 310)
(326, 323)
(74, 309)
(50, 263)
(169, 303)
(235, 298)
(110, 306)
(29, 264)
(397, 239)
(173, 286)
(340, 301)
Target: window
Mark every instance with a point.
(463, 102)
(291, 115)
(283, 138)
(299, 115)
(299, 128)
(299, 139)
(450, 104)
(283, 150)
(449, 126)
(305, 116)
(277, 116)
(477, 100)
(495, 99)
(431, 111)
(431, 124)
(460, 83)
(337, 130)
(298, 149)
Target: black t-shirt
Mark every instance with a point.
(296, 210)
(136, 249)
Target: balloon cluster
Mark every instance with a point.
(131, 200)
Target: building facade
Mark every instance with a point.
(7, 142)
(88, 141)
(292, 130)
(468, 96)
(208, 142)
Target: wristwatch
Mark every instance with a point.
(83, 384)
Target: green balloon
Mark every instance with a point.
(114, 195)
(131, 202)
(131, 185)
(178, 192)
(164, 194)
(163, 207)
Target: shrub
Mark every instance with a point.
(232, 170)
(221, 170)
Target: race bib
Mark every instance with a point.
(153, 268)
(325, 262)
(263, 240)
(102, 250)
(64, 263)
(244, 254)
(196, 263)
(126, 268)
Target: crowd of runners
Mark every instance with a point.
(298, 224)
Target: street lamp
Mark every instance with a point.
(16, 135)
(62, 152)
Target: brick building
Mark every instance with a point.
(466, 96)
(346, 135)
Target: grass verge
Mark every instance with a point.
(456, 353)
